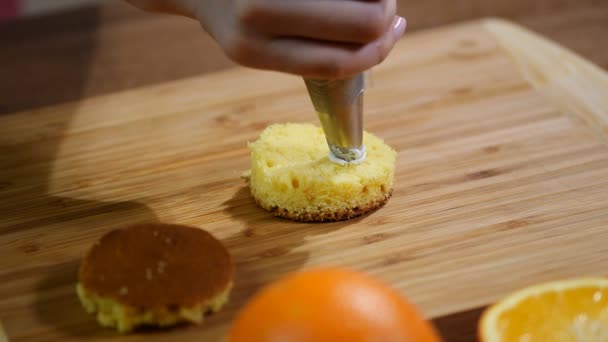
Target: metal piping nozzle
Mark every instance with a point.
(339, 106)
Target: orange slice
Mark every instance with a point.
(565, 310)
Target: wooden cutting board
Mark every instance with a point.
(501, 181)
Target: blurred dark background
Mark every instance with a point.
(53, 53)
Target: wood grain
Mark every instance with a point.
(113, 47)
(497, 187)
(570, 81)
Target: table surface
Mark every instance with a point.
(112, 47)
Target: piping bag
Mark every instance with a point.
(339, 106)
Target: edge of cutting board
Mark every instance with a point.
(575, 85)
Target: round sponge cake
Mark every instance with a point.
(155, 274)
(293, 177)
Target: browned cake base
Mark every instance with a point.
(155, 274)
(327, 214)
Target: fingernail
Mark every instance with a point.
(399, 26)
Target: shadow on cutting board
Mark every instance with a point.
(43, 233)
(58, 306)
(43, 237)
(268, 247)
(459, 326)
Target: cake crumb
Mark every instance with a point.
(123, 291)
(148, 273)
(161, 267)
(155, 233)
(168, 241)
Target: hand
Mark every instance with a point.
(313, 38)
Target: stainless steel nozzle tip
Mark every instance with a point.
(348, 156)
(339, 106)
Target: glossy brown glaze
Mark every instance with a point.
(157, 265)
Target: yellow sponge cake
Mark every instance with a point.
(293, 177)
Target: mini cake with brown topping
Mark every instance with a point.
(155, 274)
(292, 176)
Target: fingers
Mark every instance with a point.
(311, 58)
(186, 8)
(345, 21)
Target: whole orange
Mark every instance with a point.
(330, 304)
